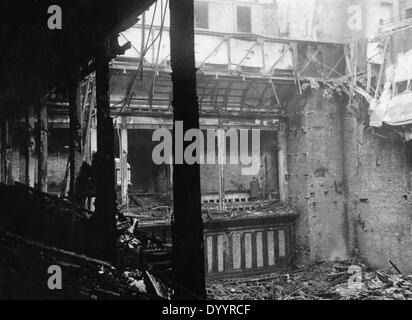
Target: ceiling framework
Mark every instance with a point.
(242, 55)
(218, 96)
(245, 75)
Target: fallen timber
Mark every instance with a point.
(38, 230)
(23, 274)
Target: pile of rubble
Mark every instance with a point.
(150, 207)
(38, 230)
(158, 209)
(24, 274)
(323, 281)
(247, 209)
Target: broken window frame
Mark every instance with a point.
(406, 87)
(385, 7)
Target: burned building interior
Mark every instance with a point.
(87, 85)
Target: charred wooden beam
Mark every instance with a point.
(104, 161)
(188, 247)
(42, 146)
(89, 120)
(75, 146)
(2, 151)
(30, 152)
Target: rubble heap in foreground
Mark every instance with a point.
(23, 274)
(323, 281)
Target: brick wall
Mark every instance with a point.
(315, 181)
(378, 167)
(352, 186)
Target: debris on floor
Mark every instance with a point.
(323, 281)
(24, 274)
(156, 209)
(246, 209)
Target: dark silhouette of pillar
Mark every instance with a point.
(187, 225)
(104, 162)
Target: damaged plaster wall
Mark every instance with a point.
(222, 16)
(316, 184)
(378, 168)
(352, 184)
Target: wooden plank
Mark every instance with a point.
(236, 251)
(282, 243)
(254, 250)
(259, 249)
(248, 250)
(209, 248)
(276, 244)
(90, 142)
(221, 247)
(214, 253)
(42, 145)
(30, 152)
(242, 251)
(75, 137)
(265, 248)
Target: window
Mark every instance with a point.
(201, 15)
(401, 86)
(244, 22)
(385, 13)
(408, 13)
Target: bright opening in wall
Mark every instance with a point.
(244, 21)
(201, 15)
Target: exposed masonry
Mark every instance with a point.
(353, 188)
